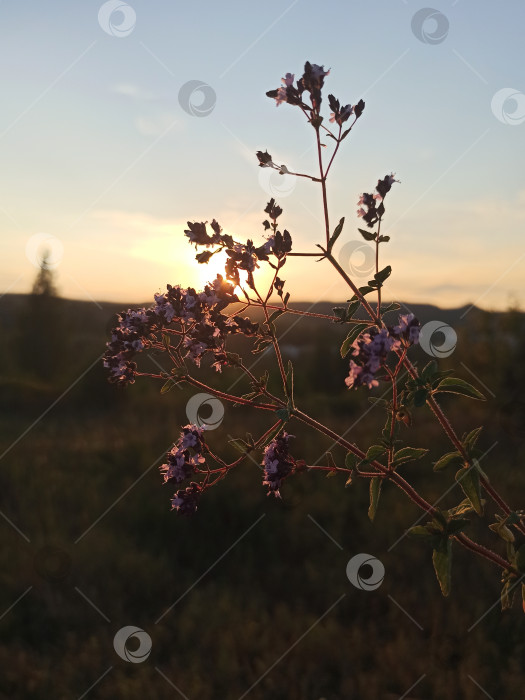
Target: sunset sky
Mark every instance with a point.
(102, 164)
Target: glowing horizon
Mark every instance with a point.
(104, 158)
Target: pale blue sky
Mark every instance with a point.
(97, 151)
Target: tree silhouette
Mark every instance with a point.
(44, 284)
(41, 337)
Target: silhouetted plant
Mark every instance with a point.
(188, 326)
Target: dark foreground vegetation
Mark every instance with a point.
(88, 536)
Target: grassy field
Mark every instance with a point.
(250, 597)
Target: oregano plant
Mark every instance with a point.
(191, 326)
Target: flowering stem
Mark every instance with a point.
(229, 397)
(485, 552)
(409, 490)
(449, 430)
(352, 286)
(323, 186)
(377, 269)
(288, 310)
(335, 151)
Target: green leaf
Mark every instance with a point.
(340, 312)
(507, 594)
(442, 560)
(233, 358)
(336, 234)
(345, 314)
(453, 385)
(448, 460)
(166, 340)
(469, 441)
(275, 315)
(520, 559)
(420, 397)
(355, 331)
(457, 525)
(366, 290)
(382, 275)
(367, 235)
(383, 239)
(394, 306)
(374, 452)
(422, 532)
(408, 454)
(462, 508)
(429, 370)
(283, 414)
(375, 492)
(501, 529)
(468, 479)
(168, 386)
(350, 460)
(352, 308)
